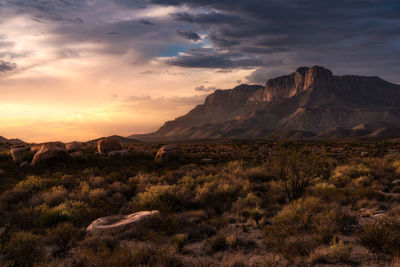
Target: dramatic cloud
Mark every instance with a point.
(202, 88)
(192, 36)
(348, 36)
(212, 58)
(7, 66)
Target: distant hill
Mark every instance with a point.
(309, 103)
(121, 139)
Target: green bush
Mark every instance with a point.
(309, 217)
(126, 256)
(382, 235)
(217, 195)
(294, 168)
(179, 242)
(337, 252)
(23, 249)
(216, 244)
(342, 175)
(63, 236)
(163, 198)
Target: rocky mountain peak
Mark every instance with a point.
(303, 79)
(317, 77)
(237, 95)
(309, 102)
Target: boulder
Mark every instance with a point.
(73, 147)
(50, 152)
(35, 148)
(17, 153)
(119, 154)
(119, 222)
(106, 145)
(169, 152)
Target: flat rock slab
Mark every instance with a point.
(119, 222)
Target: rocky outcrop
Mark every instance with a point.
(107, 145)
(168, 153)
(288, 86)
(73, 147)
(310, 102)
(52, 152)
(18, 153)
(35, 148)
(118, 223)
(236, 96)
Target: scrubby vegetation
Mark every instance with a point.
(226, 204)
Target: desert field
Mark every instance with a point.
(275, 203)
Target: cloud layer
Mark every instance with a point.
(359, 36)
(7, 66)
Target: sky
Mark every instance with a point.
(82, 69)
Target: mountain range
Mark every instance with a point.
(309, 103)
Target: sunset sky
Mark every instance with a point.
(82, 69)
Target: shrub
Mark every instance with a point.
(337, 252)
(23, 249)
(31, 184)
(126, 256)
(5, 156)
(215, 244)
(217, 195)
(163, 198)
(53, 217)
(237, 261)
(294, 169)
(309, 219)
(382, 235)
(342, 175)
(55, 195)
(63, 236)
(256, 214)
(243, 205)
(179, 241)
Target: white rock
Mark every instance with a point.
(119, 222)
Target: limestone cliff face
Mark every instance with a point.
(288, 86)
(310, 101)
(238, 95)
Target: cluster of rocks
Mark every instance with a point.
(45, 153)
(53, 152)
(168, 153)
(112, 148)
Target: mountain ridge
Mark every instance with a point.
(310, 100)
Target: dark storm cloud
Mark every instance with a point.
(211, 58)
(7, 66)
(202, 88)
(55, 10)
(190, 35)
(261, 75)
(351, 36)
(146, 22)
(209, 18)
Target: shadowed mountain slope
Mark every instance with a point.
(310, 102)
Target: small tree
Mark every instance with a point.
(294, 167)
